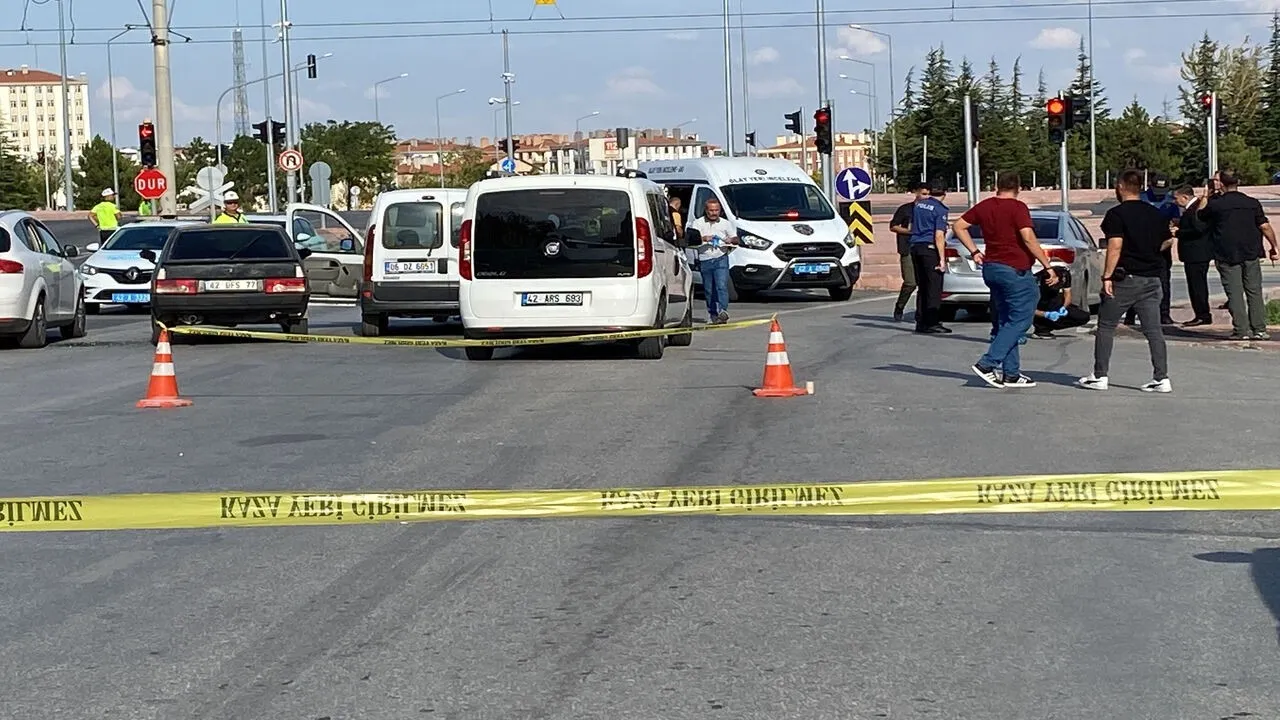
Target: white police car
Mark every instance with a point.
(116, 273)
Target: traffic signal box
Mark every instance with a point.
(147, 144)
(822, 129)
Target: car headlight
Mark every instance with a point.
(754, 242)
(849, 241)
(88, 270)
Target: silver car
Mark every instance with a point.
(39, 286)
(1064, 240)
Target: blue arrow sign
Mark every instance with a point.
(853, 183)
(508, 165)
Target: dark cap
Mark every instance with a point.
(1160, 181)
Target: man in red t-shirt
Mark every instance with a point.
(1011, 250)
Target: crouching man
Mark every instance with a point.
(1055, 311)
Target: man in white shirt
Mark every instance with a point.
(719, 236)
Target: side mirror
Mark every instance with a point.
(93, 247)
(304, 253)
(70, 251)
(347, 245)
(149, 255)
(303, 237)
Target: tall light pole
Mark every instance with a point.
(217, 114)
(502, 104)
(272, 192)
(1093, 121)
(893, 97)
(728, 84)
(66, 113)
(439, 136)
(874, 92)
(164, 107)
(111, 101)
(577, 128)
(746, 90)
(290, 132)
(508, 79)
(828, 182)
(376, 116)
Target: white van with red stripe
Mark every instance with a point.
(572, 254)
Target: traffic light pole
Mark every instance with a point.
(968, 154)
(1213, 133)
(828, 182)
(291, 192)
(272, 192)
(164, 106)
(1064, 178)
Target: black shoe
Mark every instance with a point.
(989, 375)
(1236, 337)
(1198, 322)
(1166, 320)
(1044, 335)
(897, 314)
(1224, 306)
(936, 330)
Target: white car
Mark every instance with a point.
(116, 273)
(572, 254)
(39, 286)
(336, 262)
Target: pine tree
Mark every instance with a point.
(18, 179)
(1017, 102)
(936, 116)
(1269, 131)
(909, 91)
(1200, 75)
(1080, 86)
(1141, 143)
(1043, 154)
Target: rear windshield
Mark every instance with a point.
(139, 237)
(570, 233)
(1046, 229)
(777, 201)
(218, 245)
(413, 226)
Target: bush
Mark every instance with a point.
(1273, 312)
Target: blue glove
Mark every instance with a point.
(1052, 316)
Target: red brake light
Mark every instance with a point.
(177, 287)
(10, 266)
(644, 248)
(285, 285)
(464, 250)
(1065, 256)
(368, 254)
(952, 254)
(793, 214)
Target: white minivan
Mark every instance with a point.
(572, 254)
(411, 257)
(791, 236)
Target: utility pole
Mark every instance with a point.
(968, 152)
(924, 156)
(1064, 179)
(290, 132)
(1212, 132)
(746, 92)
(728, 84)
(67, 186)
(1093, 118)
(828, 182)
(273, 203)
(507, 79)
(164, 107)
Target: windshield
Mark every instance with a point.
(777, 201)
(139, 237)
(216, 245)
(1045, 228)
(572, 233)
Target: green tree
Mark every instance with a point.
(198, 154)
(1000, 137)
(1240, 96)
(1138, 142)
(1244, 159)
(936, 117)
(247, 168)
(359, 153)
(1044, 154)
(1269, 120)
(1200, 75)
(465, 167)
(95, 174)
(21, 182)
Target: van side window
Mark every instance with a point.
(700, 199)
(661, 215)
(455, 222)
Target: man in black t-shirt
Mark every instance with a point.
(1237, 226)
(900, 225)
(1135, 233)
(1055, 311)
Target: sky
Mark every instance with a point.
(654, 64)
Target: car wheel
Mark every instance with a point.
(297, 327)
(37, 334)
(373, 325)
(684, 339)
(479, 353)
(840, 294)
(651, 348)
(747, 296)
(78, 327)
(93, 308)
(948, 313)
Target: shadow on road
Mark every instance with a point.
(971, 380)
(1264, 569)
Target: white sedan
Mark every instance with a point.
(39, 286)
(116, 273)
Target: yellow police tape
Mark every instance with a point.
(452, 342)
(1228, 490)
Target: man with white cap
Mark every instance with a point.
(231, 213)
(105, 215)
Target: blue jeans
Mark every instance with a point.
(715, 284)
(1014, 295)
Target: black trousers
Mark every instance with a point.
(1198, 288)
(1166, 288)
(925, 261)
(1075, 318)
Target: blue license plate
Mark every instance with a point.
(131, 298)
(812, 269)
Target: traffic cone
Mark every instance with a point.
(778, 381)
(162, 392)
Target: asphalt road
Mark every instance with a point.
(1151, 615)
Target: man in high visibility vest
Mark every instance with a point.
(105, 215)
(144, 208)
(230, 214)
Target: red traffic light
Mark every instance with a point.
(146, 130)
(1056, 106)
(1206, 100)
(822, 117)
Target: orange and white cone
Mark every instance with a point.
(778, 381)
(162, 392)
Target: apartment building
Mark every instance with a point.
(31, 111)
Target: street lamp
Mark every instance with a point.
(217, 112)
(111, 95)
(893, 95)
(500, 105)
(677, 126)
(376, 117)
(577, 128)
(439, 135)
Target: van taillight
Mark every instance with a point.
(368, 254)
(177, 287)
(1066, 256)
(464, 250)
(644, 248)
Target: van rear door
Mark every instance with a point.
(417, 240)
(554, 253)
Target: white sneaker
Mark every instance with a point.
(1158, 386)
(1022, 381)
(1093, 383)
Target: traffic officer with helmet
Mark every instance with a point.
(105, 216)
(231, 213)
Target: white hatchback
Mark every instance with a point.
(572, 254)
(39, 286)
